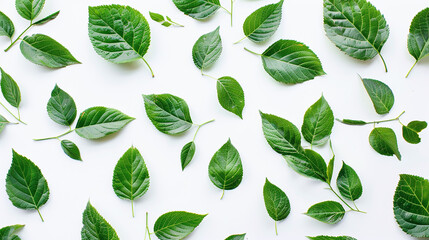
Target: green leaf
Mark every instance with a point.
(10, 89)
(308, 163)
(383, 140)
(418, 38)
(29, 9)
(197, 9)
(95, 227)
(43, 50)
(176, 225)
(276, 201)
(348, 183)
(281, 134)
(156, 17)
(356, 27)
(131, 176)
(47, 18)
(187, 154)
(381, 95)
(330, 212)
(291, 62)
(166, 24)
(330, 169)
(225, 168)
(98, 122)
(25, 184)
(118, 33)
(331, 238)
(9, 232)
(412, 130)
(61, 107)
(230, 95)
(71, 150)
(263, 23)
(236, 237)
(6, 26)
(168, 113)
(207, 49)
(318, 123)
(411, 205)
(3, 123)
(352, 122)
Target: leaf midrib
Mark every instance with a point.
(173, 225)
(28, 187)
(256, 28)
(176, 117)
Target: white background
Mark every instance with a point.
(98, 82)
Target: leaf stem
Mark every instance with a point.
(132, 207)
(384, 63)
(388, 120)
(40, 214)
(232, 10)
(330, 187)
(13, 43)
(206, 75)
(147, 226)
(226, 10)
(223, 193)
(252, 52)
(175, 23)
(275, 225)
(242, 40)
(17, 118)
(147, 64)
(411, 69)
(56, 137)
(199, 126)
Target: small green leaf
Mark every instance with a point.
(308, 163)
(95, 227)
(381, 95)
(47, 18)
(331, 238)
(29, 9)
(197, 9)
(98, 122)
(330, 169)
(352, 122)
(176, 225)
(43, 50)
(225, 168)
(10, 89)
(3, 123)
(6, 26)
(330, 212)
(263, 23)
(207, 49)
(236, 237)
(418, 38)
(9, 232)
(348, 183)
(168, 113)
(61, 107)
(412, 130)
(276, 202)
(230, 95)
(71, 150)
(187, 154)
(156, 17)
(383, 140)
(318, 123)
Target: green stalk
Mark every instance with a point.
(199, 126)
(232, 10)
(384, 63)
(56, 137)
(411, 69)
(147, 64)
(13, 43)
(223, 193)
(252, 52)
(17, 118)
(388, 120)
(40, 214)
(275, 225)
(132, 207)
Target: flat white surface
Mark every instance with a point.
(98, 82)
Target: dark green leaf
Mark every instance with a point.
(308, 163)
(352, 122)
(331, 238)
(168, 113)
(348, 183)
(207, 49)
(10, 89)
(6, 26)
(236, 237)
(61, 107)
(176, 225)
(95, 227)
(3, 123)
(71, 150)
(381, 95)
(197, 9)
(383, 140)
(412, 130)
(230, 95)
(98, 122)
(29, 9)
(291, 62)
(263, 23)
(156, 17)
(9, 232)
(318, 122)
(328, 212)
(276, 202)
(118, 33)
(43, 50)
(187, 154)
(330, 169)
(418, 38)
(411, 205)
(47, 18)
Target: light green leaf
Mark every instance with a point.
(43, 50)
(418, 38)
(29, 9)
(230, 95)
(197, 9)
(381, 95)
(3, 123)
(168, 113)
(176, 225)
(412, 130)
(308, 163)
(9, 232)
(348, 183)
(263, 23)
(61, 107)
(10, 89)
(95, 227)
(383, 140)
(47, 18)
(276, 201)
(330, 212)
(187, 154)
(6, 26)
(98, 122)
(207, 49)
(318, 123)
(352, 122)
(156, 17)
(236, 237)
(331, 238)
(330, 169)
(71, 150)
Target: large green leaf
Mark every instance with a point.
(95, 227)
(230, 95)
(43, 50)
(197, 9)
(308, 163)
(61, 107)
(176, 225)
(10, 89)
(330, 212)
(187, 154)
(411, 205)
(418, 38)
(291, 62)
(356, 27)
(263, 23)
(71, 150)
(348, 183)
(98, 122)
(331, 238)
(118, 33)
(236, 237)
(276, 201)
(6, 26)
(381, 95)
(383, 140)
(168, 113)
(207, 49)
(3, 123)
(412, 130)
(29, 9)
(318, 122)
(9, 232)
